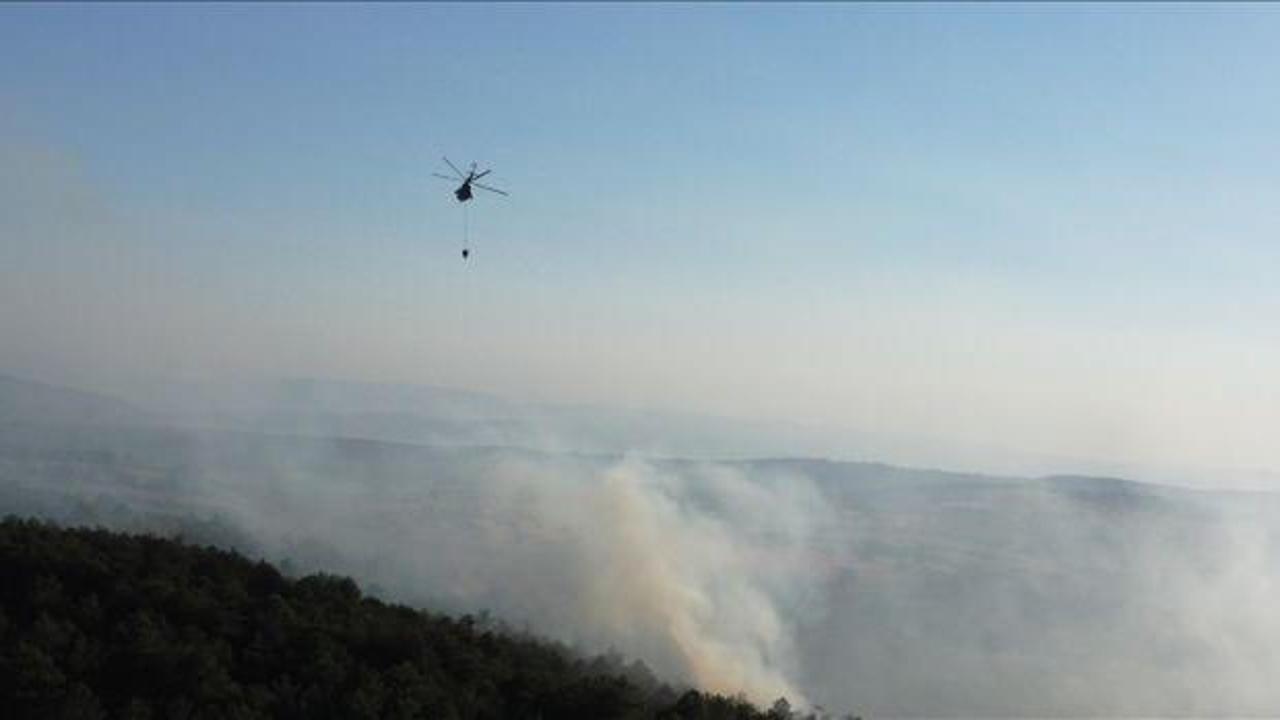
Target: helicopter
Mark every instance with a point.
(463, 194)
(468, 179)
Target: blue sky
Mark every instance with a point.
(1043, 227)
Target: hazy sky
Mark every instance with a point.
(1043, 228)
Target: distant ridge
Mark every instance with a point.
(27, 401)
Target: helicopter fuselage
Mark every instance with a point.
(463, 193)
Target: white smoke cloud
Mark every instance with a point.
(696, 574)
(697, 569)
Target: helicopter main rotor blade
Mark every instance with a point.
(490, 189)
(481, 174)
(447, 177)
(455, 168)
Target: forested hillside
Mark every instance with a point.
(97, 624)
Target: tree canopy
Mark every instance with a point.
(97, 624)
